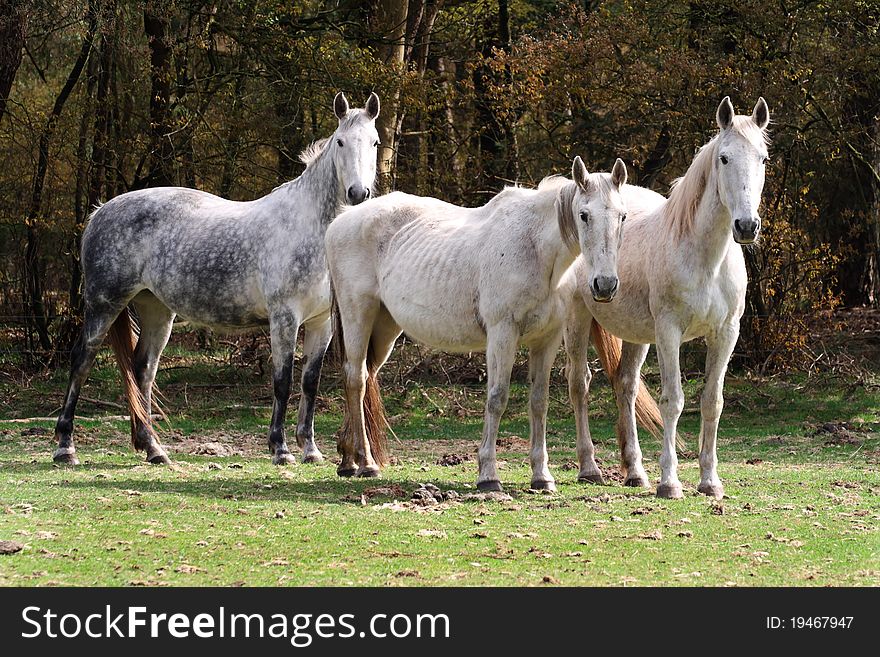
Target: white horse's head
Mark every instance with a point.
(354, 147)
(592, 209)
(739, 167)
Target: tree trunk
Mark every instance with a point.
(13, 26)
(32, 260)
(161, 160)
(390, 37)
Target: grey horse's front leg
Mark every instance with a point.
(315, 342)
(283, 328)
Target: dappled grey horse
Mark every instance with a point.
(224, 264)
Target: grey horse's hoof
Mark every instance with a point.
(66, 456)
(549, 486)
(669, 491)
(283, 458)
(637, 482)
(368, 472)
(489, 486)
(712, 490)
(592, 479)
(345, 471)
(313, 458)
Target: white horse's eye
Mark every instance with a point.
(623, 217)
(724, 159)
(339, 143)
(585, 217)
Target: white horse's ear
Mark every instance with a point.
(618, 174)
(761, 114)
(724, 115)
(340, 106)
(579, 172)
(373, 106)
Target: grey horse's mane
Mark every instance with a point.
(312, 151)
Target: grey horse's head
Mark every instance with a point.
(354, 146)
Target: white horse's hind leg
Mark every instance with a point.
(316, 338)
(500, 353)
(671, 405)
(632, 356)
(283, 327)
(720, 347)
(155, 321)
(540, 362)
(577, 342)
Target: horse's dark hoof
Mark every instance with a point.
(160, 458)
(670, 491)
(313, 458)
(369, 471)
(637, 482)
(345, 471)
(592, 479)
(712, 490)
(283, 458)
(549, 486)
(489, 486)
(66, 456)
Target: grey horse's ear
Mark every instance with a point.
(618, 174)
(724, 115)
(373, 106)
(761, 114)
(579, 173)
(340, 106)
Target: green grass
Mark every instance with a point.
(803, 511)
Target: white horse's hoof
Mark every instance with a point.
(489, 486)
(66, 456)
(159, 458)
(549, 486)
(637, 482)
(368, 471)
(670, 491)
(345, 471)
(595, 478)
(712, 490)
(284, 458)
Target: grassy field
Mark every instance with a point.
(799, 457)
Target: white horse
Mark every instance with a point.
(467, 279)
(682, 276)
(224, 264)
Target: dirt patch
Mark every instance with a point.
(838, 433)
(512, 443)
(453, 459)
(215, 444)
(10, 547)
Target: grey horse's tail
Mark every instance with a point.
(122, 340)
(647, 412)
(374, 409)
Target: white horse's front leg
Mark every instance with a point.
(719, 348)
(577, 371)
(631, 359)
(540, 362)
(500, 353)
(671, 405)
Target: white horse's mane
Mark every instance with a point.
(685, 192)
(312, 151)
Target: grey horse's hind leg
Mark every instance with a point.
(98, 320)
(155, 320)
(315, 342)
(283, 328)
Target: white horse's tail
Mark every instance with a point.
(647, 412)
(374, 409)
